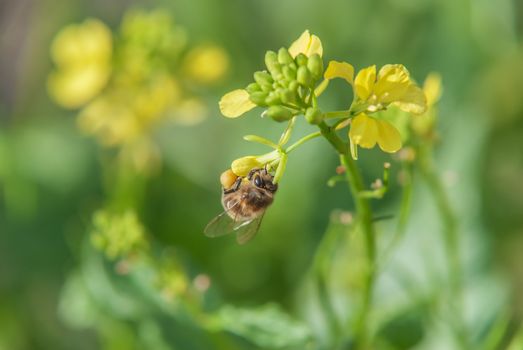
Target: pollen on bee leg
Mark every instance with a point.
(227, 178)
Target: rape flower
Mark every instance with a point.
(307, 44)
(424, 125)
(392, 85)
(301, 65)
(242, 166)
(366, 131)
(82, 54)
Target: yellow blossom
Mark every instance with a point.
(235, 103)
(206, 64)
(82, 54)
(432, 88)
(392, 85)
(342, 70)
(366, 131)
(307, 44)
(424, 125)
(242, 166)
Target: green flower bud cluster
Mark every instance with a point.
(286, 87)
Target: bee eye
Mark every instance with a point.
(258, 181)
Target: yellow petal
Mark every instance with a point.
(364, 131)
(235, 103)
(307, 44)
(413, 100)
(242, 166)
(389, 139)
(432, 88)
(393, 82)
(364, 82)
(340, 70)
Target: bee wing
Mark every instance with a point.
(248, 229)
(222, 224)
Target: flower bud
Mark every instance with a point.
(253, 87)
(258, 98)
(263, 78)
(279, 113)
(273, 99)
(313, 115)
(289, 73)
(315, 66)
(293, 86)
(286, 95)
(301, 59)
(271, 61)
(227, 178)
(284, 57)
(304, 77)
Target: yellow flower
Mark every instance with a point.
(235, 103)
(392, 85)
(82, 54)
(424, 125)
(432, 88)
(206, 64)
(342, 70)
(110, 120)
(306, 44)
(242, 166)
(366, 131)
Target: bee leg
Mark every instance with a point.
(234, 187)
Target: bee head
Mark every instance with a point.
(261, 178)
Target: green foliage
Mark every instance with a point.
(266, 326)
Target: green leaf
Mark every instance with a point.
(267, 326)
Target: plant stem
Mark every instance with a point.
(337, 114)
(302, 141)
(364, 216)
(450, 235)
(405, 209)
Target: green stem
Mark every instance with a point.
(337, 114)
(364, 216)
(302, 141)
(405, 206)
(450, 235)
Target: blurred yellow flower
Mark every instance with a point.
(82, 54)
(424, 125)
(432, 88)
(392, 85)
(366, 131)
(206, 64)
(111, 120)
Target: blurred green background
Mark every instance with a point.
(51, 176)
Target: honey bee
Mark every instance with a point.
(245, 203)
